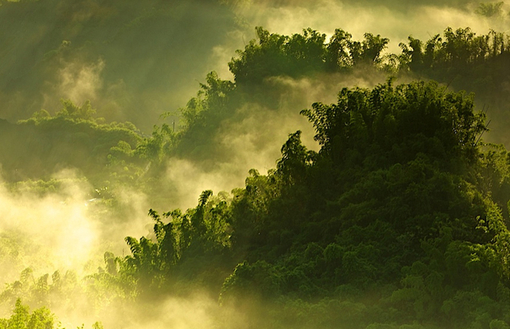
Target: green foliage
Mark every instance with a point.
(185, 248)
(294, 161)
(215, 101)
(411, 118)
(41, 318)
(21, 318)
(399, 221)
(84, 112)
(257, 280)
(42, 291)
(153, 148)
(464, 61)
(399, 196)
(303, 54)
(73, 138)
(456, 50)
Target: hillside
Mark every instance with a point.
(376, 183)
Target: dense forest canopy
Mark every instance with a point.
(376, 179)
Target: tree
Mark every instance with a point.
(337, 55)
(376, 121)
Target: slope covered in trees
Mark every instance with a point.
(398, 220)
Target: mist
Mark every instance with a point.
(109, 63)
(139, 63)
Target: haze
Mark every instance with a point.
(108, 109)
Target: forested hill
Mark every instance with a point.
(397, 220)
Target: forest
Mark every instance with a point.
(178, 164)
